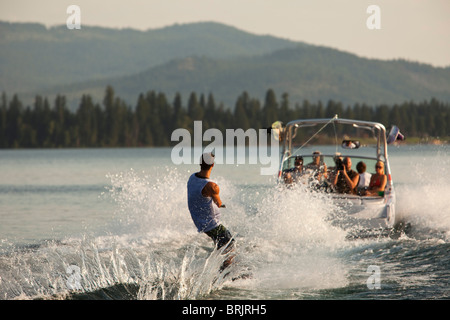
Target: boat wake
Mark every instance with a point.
(153, 252)
(284, 238)
(105, 269)
(423, 205)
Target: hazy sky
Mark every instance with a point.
(417, 30)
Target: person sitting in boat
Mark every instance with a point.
(319, 170)
(377, 181)
(294, 174)
(345, 179)
(364, 178)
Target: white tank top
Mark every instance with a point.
(364, 180)
(204, 211)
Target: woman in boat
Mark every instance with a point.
(377, 181)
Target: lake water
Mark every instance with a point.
(114, 224)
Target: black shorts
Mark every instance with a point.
(221, 236)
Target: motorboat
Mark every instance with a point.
(321, 145)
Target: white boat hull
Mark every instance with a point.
(357, 212)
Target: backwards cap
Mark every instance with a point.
(208, 158)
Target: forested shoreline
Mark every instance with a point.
(151, 121)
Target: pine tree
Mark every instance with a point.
(62, 119)
(270, 108)
(195, 111)
(87, 124)
(3, 118)
(180, 117)
(284, 113)
(13, 122)
(210, 112)
(240, 116)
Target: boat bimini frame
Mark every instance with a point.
(287, 134)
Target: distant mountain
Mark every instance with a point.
(305, 72)
(33, 57)
(205, 58)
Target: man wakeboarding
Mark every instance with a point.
(204, 203)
